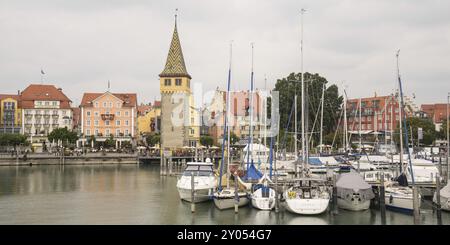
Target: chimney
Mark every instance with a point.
(18, 92)
(60, 89)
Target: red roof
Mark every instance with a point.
(143, 109)
(130, 100)
(157, 103)
(43, 92)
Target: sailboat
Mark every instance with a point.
(225, 198)
(263, 196)
(399, 196)
(306, 195)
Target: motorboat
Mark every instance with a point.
(204, 181)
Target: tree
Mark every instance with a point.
(153, 139)
(233, 138)
(428, 129)
(64, 135)
(206, 140)
(443, 132)
(291, 85)
(8, 139)
(110, 142)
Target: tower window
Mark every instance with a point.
(167, 82)
(178, 82)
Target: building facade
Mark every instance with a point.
(436, 112)
(149, 118)
(179, 118)
(239, 121)
(10, 114)
(106, 115)
(378, 113)
(44, 108)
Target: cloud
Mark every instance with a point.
(83, 44)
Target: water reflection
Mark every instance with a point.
(130, 194)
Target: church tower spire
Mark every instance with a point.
(175, 66)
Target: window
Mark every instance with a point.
(126, 132)
(110, 104)
(192, 131)
(126, 113)
(55, 112)
(96, 123)
(96, 132)
(178, 82)
(64, 113)
(88, 113)
(54, 103)
(88, 123)
(118, 105)
(107, 112)
(126, 122)
(369, 119)
(47, 103)
(96, 113)
(167, 82)
(107, 132)
(192, 120)
(106, 122)
(104, 104)
(96, 104)
(118, 113)
(117, 122)
(39, 103)
(88, 132)
(117, 132)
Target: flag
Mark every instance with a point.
(42, 72)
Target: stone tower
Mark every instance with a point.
(179, 123)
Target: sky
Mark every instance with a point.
(83, 44)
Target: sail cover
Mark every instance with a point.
(252, 173)
(349, 183)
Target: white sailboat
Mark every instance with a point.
(226, 198)
(204, 181)
(306, 195)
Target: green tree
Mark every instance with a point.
(110, 142)
(63, 134)
(153, 139)
(234, 139)
(428, 129)
(443, 132)
(206, 140)
(291, 85)
(12, 139)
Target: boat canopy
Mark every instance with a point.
(349, 183)
(252, 173)
(322, 161)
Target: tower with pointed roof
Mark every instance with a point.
(178, 118)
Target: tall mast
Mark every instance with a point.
(359, 131)
(391, 106)
(225, 126)
(345, 122)
(304, 160)
(385, 124)
(400, 113)
(321, 119)
(250, 142)
(448, 138)
(404, 121)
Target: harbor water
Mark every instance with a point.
(137, 194)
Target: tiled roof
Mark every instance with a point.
(175, 66)
(143, 109)
(43, 92)
(130, 100)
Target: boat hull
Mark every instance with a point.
(307, 206)
(228, 202)
(262, 202)
(397, 203)
(201, 195)
(353, 205)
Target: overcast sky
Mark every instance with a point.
(84, 43)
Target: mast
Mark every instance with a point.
(304, 160)
(448, 138)
(321, 119)
(391, 106)
(359, 131)
(345, 122)
(225, 126)
(385, 124)
(250, 142)
(404, 121)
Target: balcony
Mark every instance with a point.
(38, 116)
(28, 125)
(55, 125)
(55, 116)
(47, 116)
(28, 115)
(107, 116)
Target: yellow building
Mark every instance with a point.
(149, 118)
(179, 118)
(10, 114)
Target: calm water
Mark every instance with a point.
(130, 194)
